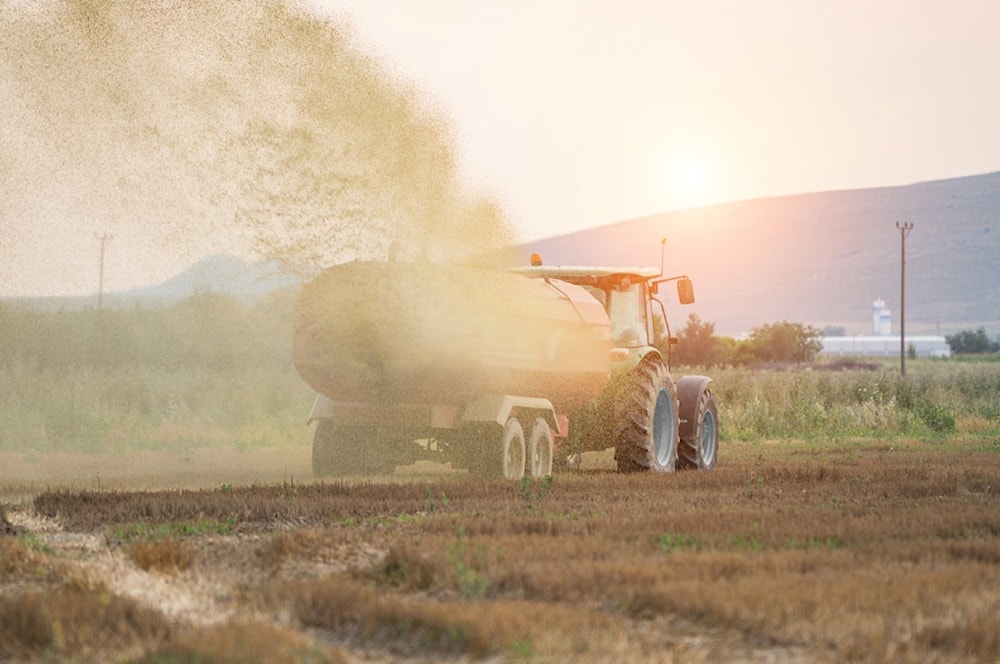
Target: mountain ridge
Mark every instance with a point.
(820, 258)
(817, 258)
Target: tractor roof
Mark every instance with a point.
(582, 272)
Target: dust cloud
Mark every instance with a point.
(182, 128)
(187, 127)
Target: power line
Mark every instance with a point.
(103, 238)
(904, 230)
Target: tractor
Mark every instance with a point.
(505, 373)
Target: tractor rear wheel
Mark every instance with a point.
(699, 449)
(646, 420)
(540, 448)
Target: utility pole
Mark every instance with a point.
(904, 230)
(104, 238)
(663, 245)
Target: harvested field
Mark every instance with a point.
(786, 552)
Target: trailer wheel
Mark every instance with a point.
(512, 450)
(486, 455)
(339, 451)
(700, 448)
(540, 448)
(333, 451)
(646, 420)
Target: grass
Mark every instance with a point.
(162, 555)
(22, 557)
(127, 409)
(187, 376)
(78, 622)
(937, 398)
(88, 409)
(241, 642)
(847, 551)
(853, 516)
(130, 532)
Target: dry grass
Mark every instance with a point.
(22, 561)
(162, 555)
(274, 505)
(849, 552)
(408, 624)
(85, 623)
(245, 642)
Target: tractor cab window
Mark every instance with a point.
(627, 310)
(598, 294)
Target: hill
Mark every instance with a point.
(820, 258)
(219, 273)
(222, 274)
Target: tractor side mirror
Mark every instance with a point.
(685, 291)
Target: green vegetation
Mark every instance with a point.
(771, 385)
(767, 344)
(969, 342)
(131, 532)
(207, 371)
(671, 542)
(820, 402)
(533, 491)
(212, 371)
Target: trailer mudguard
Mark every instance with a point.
(501, 407)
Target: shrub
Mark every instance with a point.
(938, 418)
(162, 555)
(968, 341)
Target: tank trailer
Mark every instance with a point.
(505, 373)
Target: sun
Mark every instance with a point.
(685, 169)
(689, 179)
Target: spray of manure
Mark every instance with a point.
(188, 127)
(253, 121)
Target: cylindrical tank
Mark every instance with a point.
(421, 333)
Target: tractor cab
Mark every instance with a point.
(626, 293)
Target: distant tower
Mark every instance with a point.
(881, 319)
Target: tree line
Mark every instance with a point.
(783, 343)
(972, 342)
(773, 343)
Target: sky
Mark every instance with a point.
(575, 114)
(583, 113)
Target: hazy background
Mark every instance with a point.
(323, 131)
(183, 129)
(584, 113)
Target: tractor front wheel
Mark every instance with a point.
(699, 448)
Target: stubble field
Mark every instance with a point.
(788, 551)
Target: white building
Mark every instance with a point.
(881, 319)
(885, 346)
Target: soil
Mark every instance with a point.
(228, 568)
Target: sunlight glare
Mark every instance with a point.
(686, 170)
(689, 178)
